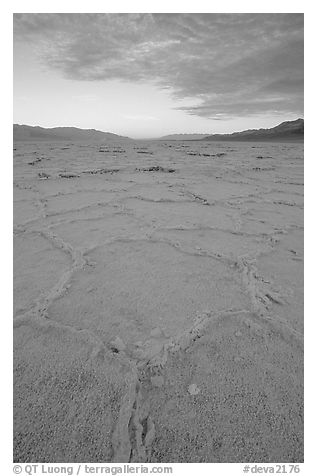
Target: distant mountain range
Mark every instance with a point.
(36, 133)
(286, 131)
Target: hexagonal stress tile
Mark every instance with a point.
(135, 286)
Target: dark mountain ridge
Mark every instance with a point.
(286, 131)
(35, 133)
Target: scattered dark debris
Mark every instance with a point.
(101, 171)
(68, 175)
(197, 198)
(43, 175)
(263, 169)
(117, 345)
(156, 168)
(284, 202)
(114, 151)
(114, 350)
(219, 154)
(39, 159)
(273, 299)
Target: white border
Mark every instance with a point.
(237, 6)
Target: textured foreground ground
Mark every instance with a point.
(158, 302)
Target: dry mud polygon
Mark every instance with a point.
(158, 302)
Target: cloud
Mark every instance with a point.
(232, 64)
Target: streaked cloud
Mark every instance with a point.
(233, 65)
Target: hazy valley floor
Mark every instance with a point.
(158, 302)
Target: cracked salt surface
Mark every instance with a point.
(158, 316)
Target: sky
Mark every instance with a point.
(148, 75)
